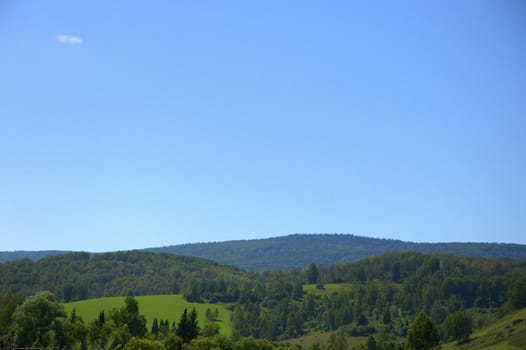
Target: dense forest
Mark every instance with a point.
(387, 298)
(77, 276)
(387, 293)
(299, 250)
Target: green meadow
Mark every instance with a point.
(164, 307)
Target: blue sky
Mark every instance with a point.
(128, 124)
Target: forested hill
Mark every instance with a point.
(377, 295)
(77, 276)
(27, 254)
(299, 250)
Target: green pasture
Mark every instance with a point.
(164, 307)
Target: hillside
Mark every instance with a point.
(507, 333)
(377, 295)
(78, 276)
(299, 250)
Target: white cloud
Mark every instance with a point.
(69, 39)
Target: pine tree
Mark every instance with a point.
(188, 327)
(182, 327)
(155, 326)
(312, 273)
(102, 318)
(193, 324)
(136, 322)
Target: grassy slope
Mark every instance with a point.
(508, 333)
(164, 307)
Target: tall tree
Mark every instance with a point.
(8, 305)
(518, 293)
(182, 326)
(193, 325)
(423, 334)
(395, 272)
(102, 318)
(155, 326)
(312, 273)
(136, 322)
(188, 327)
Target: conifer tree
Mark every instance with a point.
(155, 326)
(182, 327)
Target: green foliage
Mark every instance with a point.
(337, 341)
(210, 329)
(395, 272)
(38, 322)
(365, 298)
(79, 276)
(438, 284)
(299, 250)
(8, 305)
(188, 327)
(508, 332)
(423, 334)
(371, 344)
(129, 317)
(144, 344)
(29, 255)
(312, 274)
(155, 327)
(459, 326)
(518, 293)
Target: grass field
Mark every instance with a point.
(164, 307)
(508, 333)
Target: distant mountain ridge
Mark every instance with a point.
(28, 254)
(299, 250)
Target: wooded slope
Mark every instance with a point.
(299, 250)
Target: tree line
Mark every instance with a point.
(79, 276)
(386, 294)
(298, 250)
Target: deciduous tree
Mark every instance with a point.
(423, 334)
(459, 326)
(36, 322)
